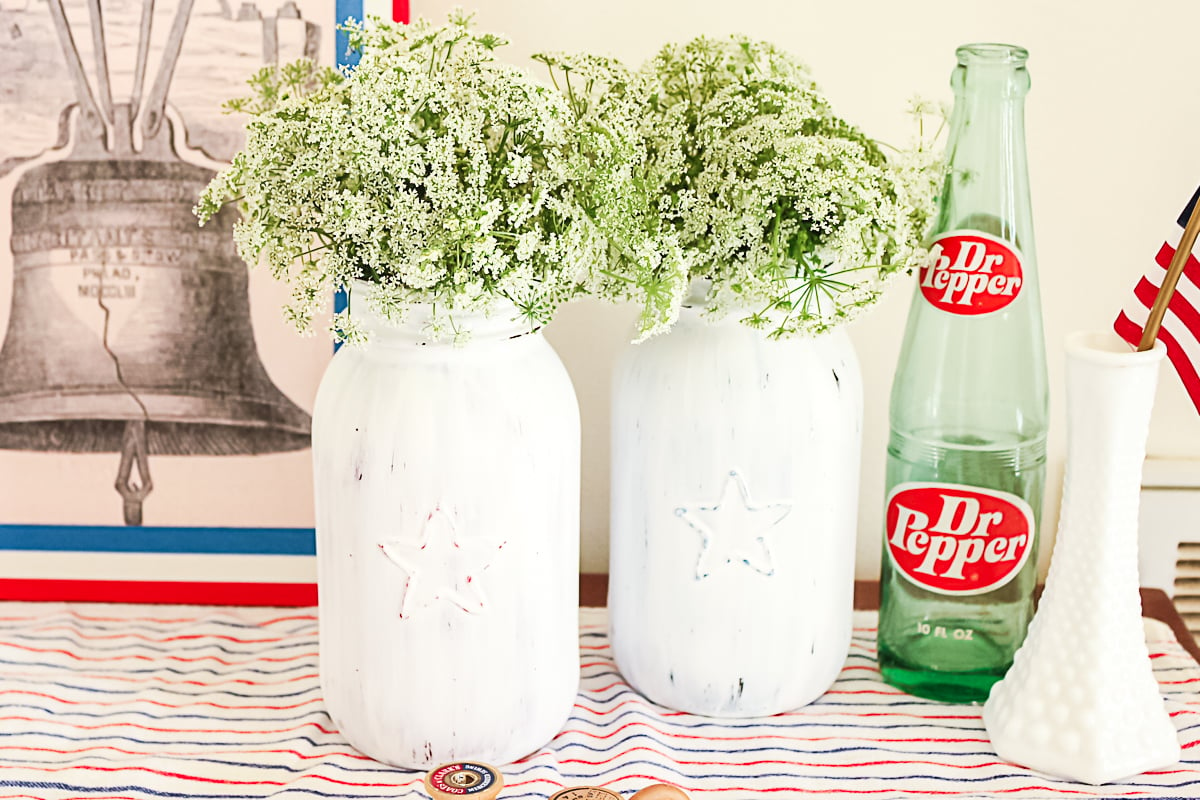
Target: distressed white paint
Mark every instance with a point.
(447, 500)
(1081, 701)
(734, 498)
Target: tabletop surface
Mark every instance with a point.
(593, 591)
(141, 702)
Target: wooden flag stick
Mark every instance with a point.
(1167, 291)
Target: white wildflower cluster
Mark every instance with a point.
(790, 215)
(446, 178)
(431, 170)
(619, 180)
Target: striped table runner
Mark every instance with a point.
(110, 701)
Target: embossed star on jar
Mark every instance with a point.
(734, 530)
(441, 565)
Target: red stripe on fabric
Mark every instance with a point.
(810, 713)
(140, 700)
(401, 11)
(290, 618)
(800, 736)
(311, 676)
(592, 706)
(1191, 268)
(190, 620)
(162, 640)
(1182, 712)
(199, 778)
(589, 702)
(753, 790)
(1190, 318)
(174, 592)
(750, 791)
(139, 657)
(789, 762)
(1128, 330)
(597, 689)
(198, 753)
(1146, 292)
(1183, 367)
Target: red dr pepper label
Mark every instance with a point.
(971, 273)
(957, 540)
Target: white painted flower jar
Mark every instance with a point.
(735, 472)
(447, 503)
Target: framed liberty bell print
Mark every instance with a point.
(154, 404)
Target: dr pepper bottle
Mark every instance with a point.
(966, 457)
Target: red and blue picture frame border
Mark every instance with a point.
(177, 542)
(180, 542)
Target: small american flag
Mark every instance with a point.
(1181, 326)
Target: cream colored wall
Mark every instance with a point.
(1113, 122)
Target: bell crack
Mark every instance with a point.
(134, 450)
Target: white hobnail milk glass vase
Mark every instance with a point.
(447, 502)
(735, 471)
(1081, 700)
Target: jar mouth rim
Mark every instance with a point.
(992, 53)
(1106, 348)
(502, 320)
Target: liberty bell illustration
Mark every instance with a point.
(130, 327)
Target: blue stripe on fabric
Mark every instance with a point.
(700, 778)
(307, 626)
(209, 716)
(123, 539)
(624, 692)
(382, 769)
(234, 670)
(176, 692)
(83, 648)
(788, 749)
(291, 740)
(800, 726)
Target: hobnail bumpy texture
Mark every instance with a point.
(1081, 700)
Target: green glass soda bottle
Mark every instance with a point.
(966, 458)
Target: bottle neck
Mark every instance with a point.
(987, 180)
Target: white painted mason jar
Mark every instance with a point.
(447, 514)
(735, 472)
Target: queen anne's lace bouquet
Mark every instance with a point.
(431, 170)
(619, 179)
(788, 215)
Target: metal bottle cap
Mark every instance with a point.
(585, 793)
